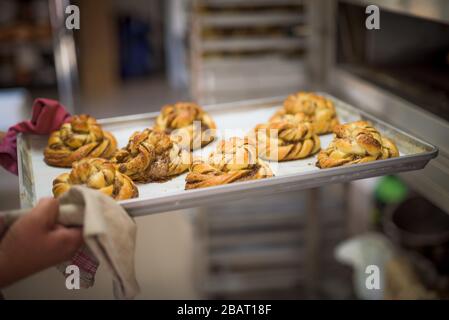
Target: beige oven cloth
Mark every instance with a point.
(109, 235)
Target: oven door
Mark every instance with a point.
(399, 73)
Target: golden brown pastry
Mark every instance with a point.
(312, 108)
(234, 160)
(97, 174)
(285, 139)
(187, 123)
(356, 142)
(152, 156)
(80, 138)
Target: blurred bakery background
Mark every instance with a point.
(134, 56)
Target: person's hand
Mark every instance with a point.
(36, 242)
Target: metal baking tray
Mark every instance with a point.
(232, 119)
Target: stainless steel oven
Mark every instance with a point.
(399, 72)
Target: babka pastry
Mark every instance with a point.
(233, 161)
(152, 156)
(80, 138)
(356, 142)
(187, 123)
(285, 139)
(97, 173)
(312, 108)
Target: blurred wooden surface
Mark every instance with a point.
(99, 61)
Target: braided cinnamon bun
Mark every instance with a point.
(285, 139)
(187, 123)
(356, 142)
(151, 156)
(233, 161)
(99, 174)
(80, 138)
(312, 108)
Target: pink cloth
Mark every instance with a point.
(48, 115)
